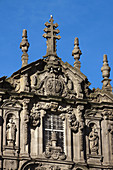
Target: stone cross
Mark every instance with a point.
(51, 37)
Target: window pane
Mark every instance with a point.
(57, 122)
(47, 138)
(60, 141)
(47, 122)
(53, 122)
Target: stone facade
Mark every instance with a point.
(49, 117)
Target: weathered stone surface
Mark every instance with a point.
(49, 117)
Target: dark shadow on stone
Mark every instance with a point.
(1, 120)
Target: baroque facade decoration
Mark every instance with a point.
(49, 117)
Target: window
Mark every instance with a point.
(53, 123)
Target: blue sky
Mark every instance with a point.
(89, 20)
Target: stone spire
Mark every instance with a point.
(51, 37)
(76, 53)
(106, 73)
(24, 45)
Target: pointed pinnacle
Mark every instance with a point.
(106, 74)
(76, 41)
(24, 33)
(24, 45)
(105, 58)
(105, 68)
(76, 53)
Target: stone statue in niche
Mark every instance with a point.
(93, 140)
(11, 132)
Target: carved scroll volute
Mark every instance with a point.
(80, 109)
(26, 119)
(65, 112)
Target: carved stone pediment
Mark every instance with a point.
(55, 80)
(105, 98)
(100, 96)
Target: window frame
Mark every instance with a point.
(52, 129)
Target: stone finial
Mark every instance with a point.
(76, 53)
(106, 73)
(51, 37)
(24, 45)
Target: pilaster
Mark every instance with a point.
(80, 109)
(1, 135)
(24, 129)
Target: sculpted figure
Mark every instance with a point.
(25, 83)
(11, 132)
(74, 124)
(33, 80)
(17, 85)
(93, 140)
(78, 89)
